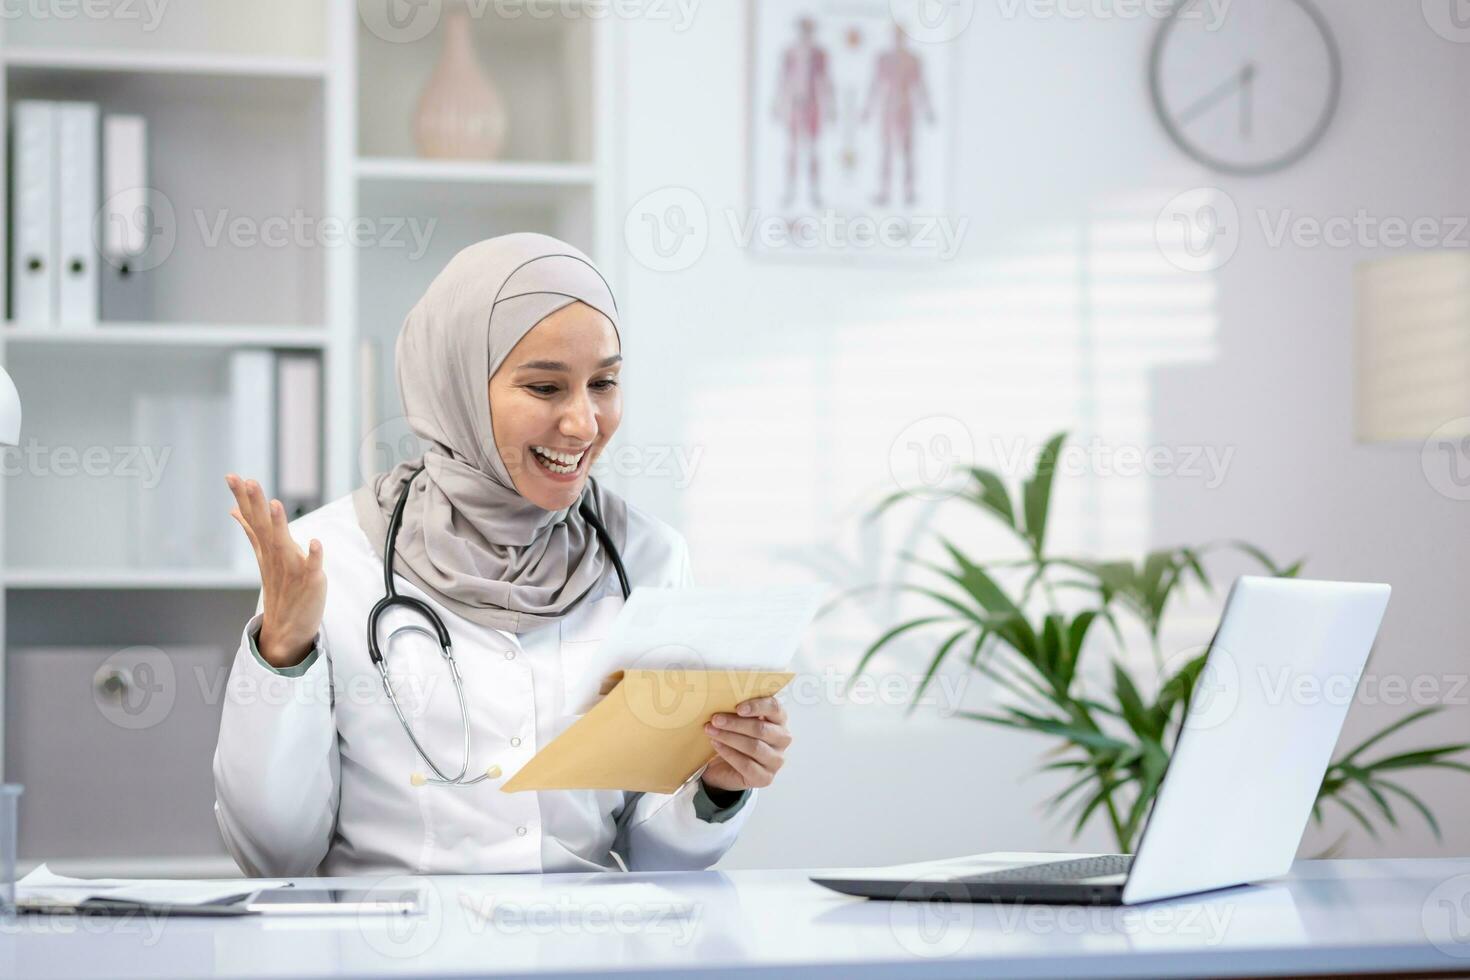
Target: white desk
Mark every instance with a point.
(1329, 917)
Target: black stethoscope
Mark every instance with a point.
(441, 634)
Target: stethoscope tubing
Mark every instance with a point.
(440, 633)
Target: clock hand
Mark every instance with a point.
(1247, 99)
(1212, 98)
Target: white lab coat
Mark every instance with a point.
(312, 772)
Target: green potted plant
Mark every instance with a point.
(1005, 620)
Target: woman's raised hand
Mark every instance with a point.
(291, 580)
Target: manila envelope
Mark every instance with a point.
(647, 734)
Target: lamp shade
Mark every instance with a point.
(1412, 318)
(9, 411)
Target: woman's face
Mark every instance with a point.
(555, 402)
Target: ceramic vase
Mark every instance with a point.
(461, 115)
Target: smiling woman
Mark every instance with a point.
(555, 403)
(495, 544)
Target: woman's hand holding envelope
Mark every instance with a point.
(650, 733)
(751, 745)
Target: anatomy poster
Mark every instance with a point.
(850, 130)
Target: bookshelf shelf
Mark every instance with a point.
(130, 578)
(438, 187)
(169, 335)
(408, 170)
(218, 65)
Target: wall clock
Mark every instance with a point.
(1246, 87)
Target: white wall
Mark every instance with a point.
(791, 380)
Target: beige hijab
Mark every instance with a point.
(468, 539)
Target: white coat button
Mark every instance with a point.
(510, 655)
(520, 831)
(515, 740)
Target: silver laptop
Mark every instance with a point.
(1266, 713)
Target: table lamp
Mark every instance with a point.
(1413, 347)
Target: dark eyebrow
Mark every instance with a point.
(559, 366)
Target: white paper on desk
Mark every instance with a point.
(44, 886)
(701, 628)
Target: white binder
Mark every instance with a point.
(33, 259)
(252, 434)
(127, 288)
(125, 188)
(77, 183)
(298, 433)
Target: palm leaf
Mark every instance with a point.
(1007, 619)
(1288, 571)
(1060, 798)
(1154, 762)
(1418, 758)
(992, 496)
(892, 634)
(1036, 491)
(1139, 718)
(1357, 814)
(1366, 782)
(939, 656)
(1415, 802)
(882, 506)
(1051, 726)
(1104, 794)
(1403, 722)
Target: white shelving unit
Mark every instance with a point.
(129, 578)
(134, 333)
(164, 62)
(255, 109)
(506, 175)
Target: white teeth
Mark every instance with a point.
(559, 462)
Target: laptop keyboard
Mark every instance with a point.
(1073, 870)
